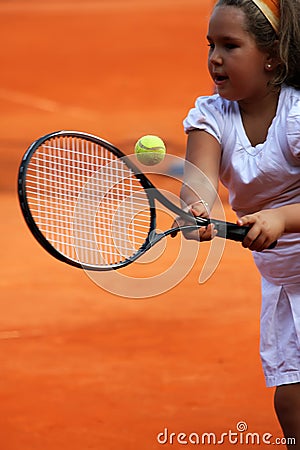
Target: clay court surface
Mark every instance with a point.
(82, 368)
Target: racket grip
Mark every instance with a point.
(230, 230)
(233, 231)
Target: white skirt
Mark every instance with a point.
(280, 333)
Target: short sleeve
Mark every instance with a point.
(293, 130)
(206, 116)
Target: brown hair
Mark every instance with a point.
(285, 45)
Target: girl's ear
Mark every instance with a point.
(272, 59)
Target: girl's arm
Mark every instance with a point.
(201, 175)
(291, 215)
(201, 178)
(269, 224)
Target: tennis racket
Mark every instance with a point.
(89, 205)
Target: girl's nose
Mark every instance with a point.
(215, 58)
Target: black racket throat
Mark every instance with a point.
(227, 230)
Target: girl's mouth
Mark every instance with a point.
(220, 79)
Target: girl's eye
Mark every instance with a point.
(226, 46)
(231, 46)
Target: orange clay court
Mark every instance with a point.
(81, 368)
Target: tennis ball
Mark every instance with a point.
(150, 150)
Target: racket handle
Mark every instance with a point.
(230, 230)
(233, 231)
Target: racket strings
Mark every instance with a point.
(86, 201)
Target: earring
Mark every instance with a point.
(269, 66)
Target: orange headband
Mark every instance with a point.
(270, 9)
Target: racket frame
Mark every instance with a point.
(39, 236)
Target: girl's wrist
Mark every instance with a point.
(203, 202)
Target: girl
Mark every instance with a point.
(248, 135)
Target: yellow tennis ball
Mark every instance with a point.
(150, 150)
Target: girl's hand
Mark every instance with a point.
(266, 227)
(198, 209)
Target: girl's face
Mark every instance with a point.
(236, 65)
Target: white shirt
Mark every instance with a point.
(260, 177)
